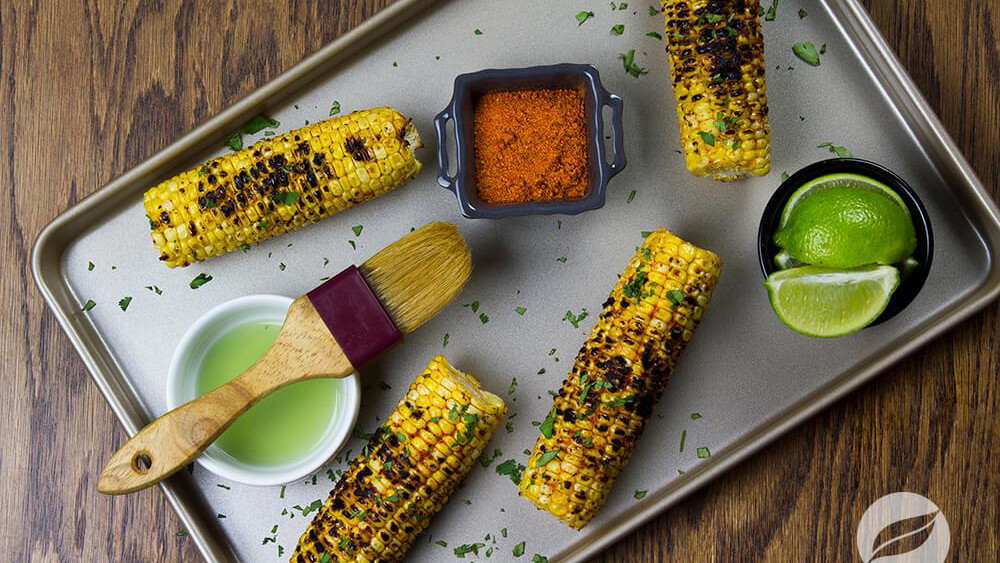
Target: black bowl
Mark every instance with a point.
(912, 282)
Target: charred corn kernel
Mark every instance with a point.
(619, 374)
(281, 184)
(406, 473)
(716, 54)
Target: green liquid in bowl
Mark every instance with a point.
(282, 427)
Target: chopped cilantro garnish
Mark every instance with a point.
(545, 458)
(124, 302)
(281, 266)
(221, 486)
(325, 558)
(654, 35)
(536, 558)
(287, 198)
(561, 259)
(802, 13)
(235, 142)
(822, 49)
(631, 196)
(676, 297)
(807, 52)
(335, 108)
(269, 133)
(281, 493)
(88, 305)
(684, 435)
(181, 533)
(633, 289)
(485, 460)
(511, 469)
(707, 138)
(220, 515)
(695, 415)
(357, 230)
(639, 494)
(478, 31)
(772, 11)
(575, 319)
(628, 61)
(263, 225)
(467, 548)
(703, 453)
(519, 549)
(653, 11)
(582, 17)
(90, 266)
(645, 234)
(353, 244)
(513, 386)
(784, 176)
(474, 306)
(155, 289)
(620, 401)
(548, 424)
(840, 151)
(618, 29)
(442, 543)
(709, 17)
(444, 341)
(483, 318)
(200, 280)
(259, 123)
(520, 310)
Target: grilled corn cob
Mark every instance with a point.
(280, 184)
(407, 471)
(619, 374)
(716, 54)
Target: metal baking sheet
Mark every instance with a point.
(748, 377)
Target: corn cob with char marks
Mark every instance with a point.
(716, 54)
(600, 412)
(281, 184)
(406, 473)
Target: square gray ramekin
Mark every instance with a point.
(468, 87)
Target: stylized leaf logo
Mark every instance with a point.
(903, 528)
(903, 536)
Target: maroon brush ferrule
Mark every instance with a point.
(356, 319)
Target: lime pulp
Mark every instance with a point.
(826, 303)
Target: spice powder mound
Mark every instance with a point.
(531, 145)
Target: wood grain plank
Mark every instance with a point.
(89, 88)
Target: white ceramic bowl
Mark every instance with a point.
(185, 365)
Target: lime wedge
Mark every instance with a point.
(826, 303)
(845, 221)
(843, 180)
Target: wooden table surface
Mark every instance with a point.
(90, 88)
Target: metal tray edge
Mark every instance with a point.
(54, 238)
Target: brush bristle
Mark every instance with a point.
(416, 276)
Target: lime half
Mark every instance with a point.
(845, 221)
(825, 303)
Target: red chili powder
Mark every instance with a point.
(531, 145)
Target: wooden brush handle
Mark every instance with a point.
(303, 350)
